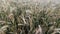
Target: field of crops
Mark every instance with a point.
(29, 17)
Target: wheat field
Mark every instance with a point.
(29, 16)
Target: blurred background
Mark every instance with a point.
(29, 16)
